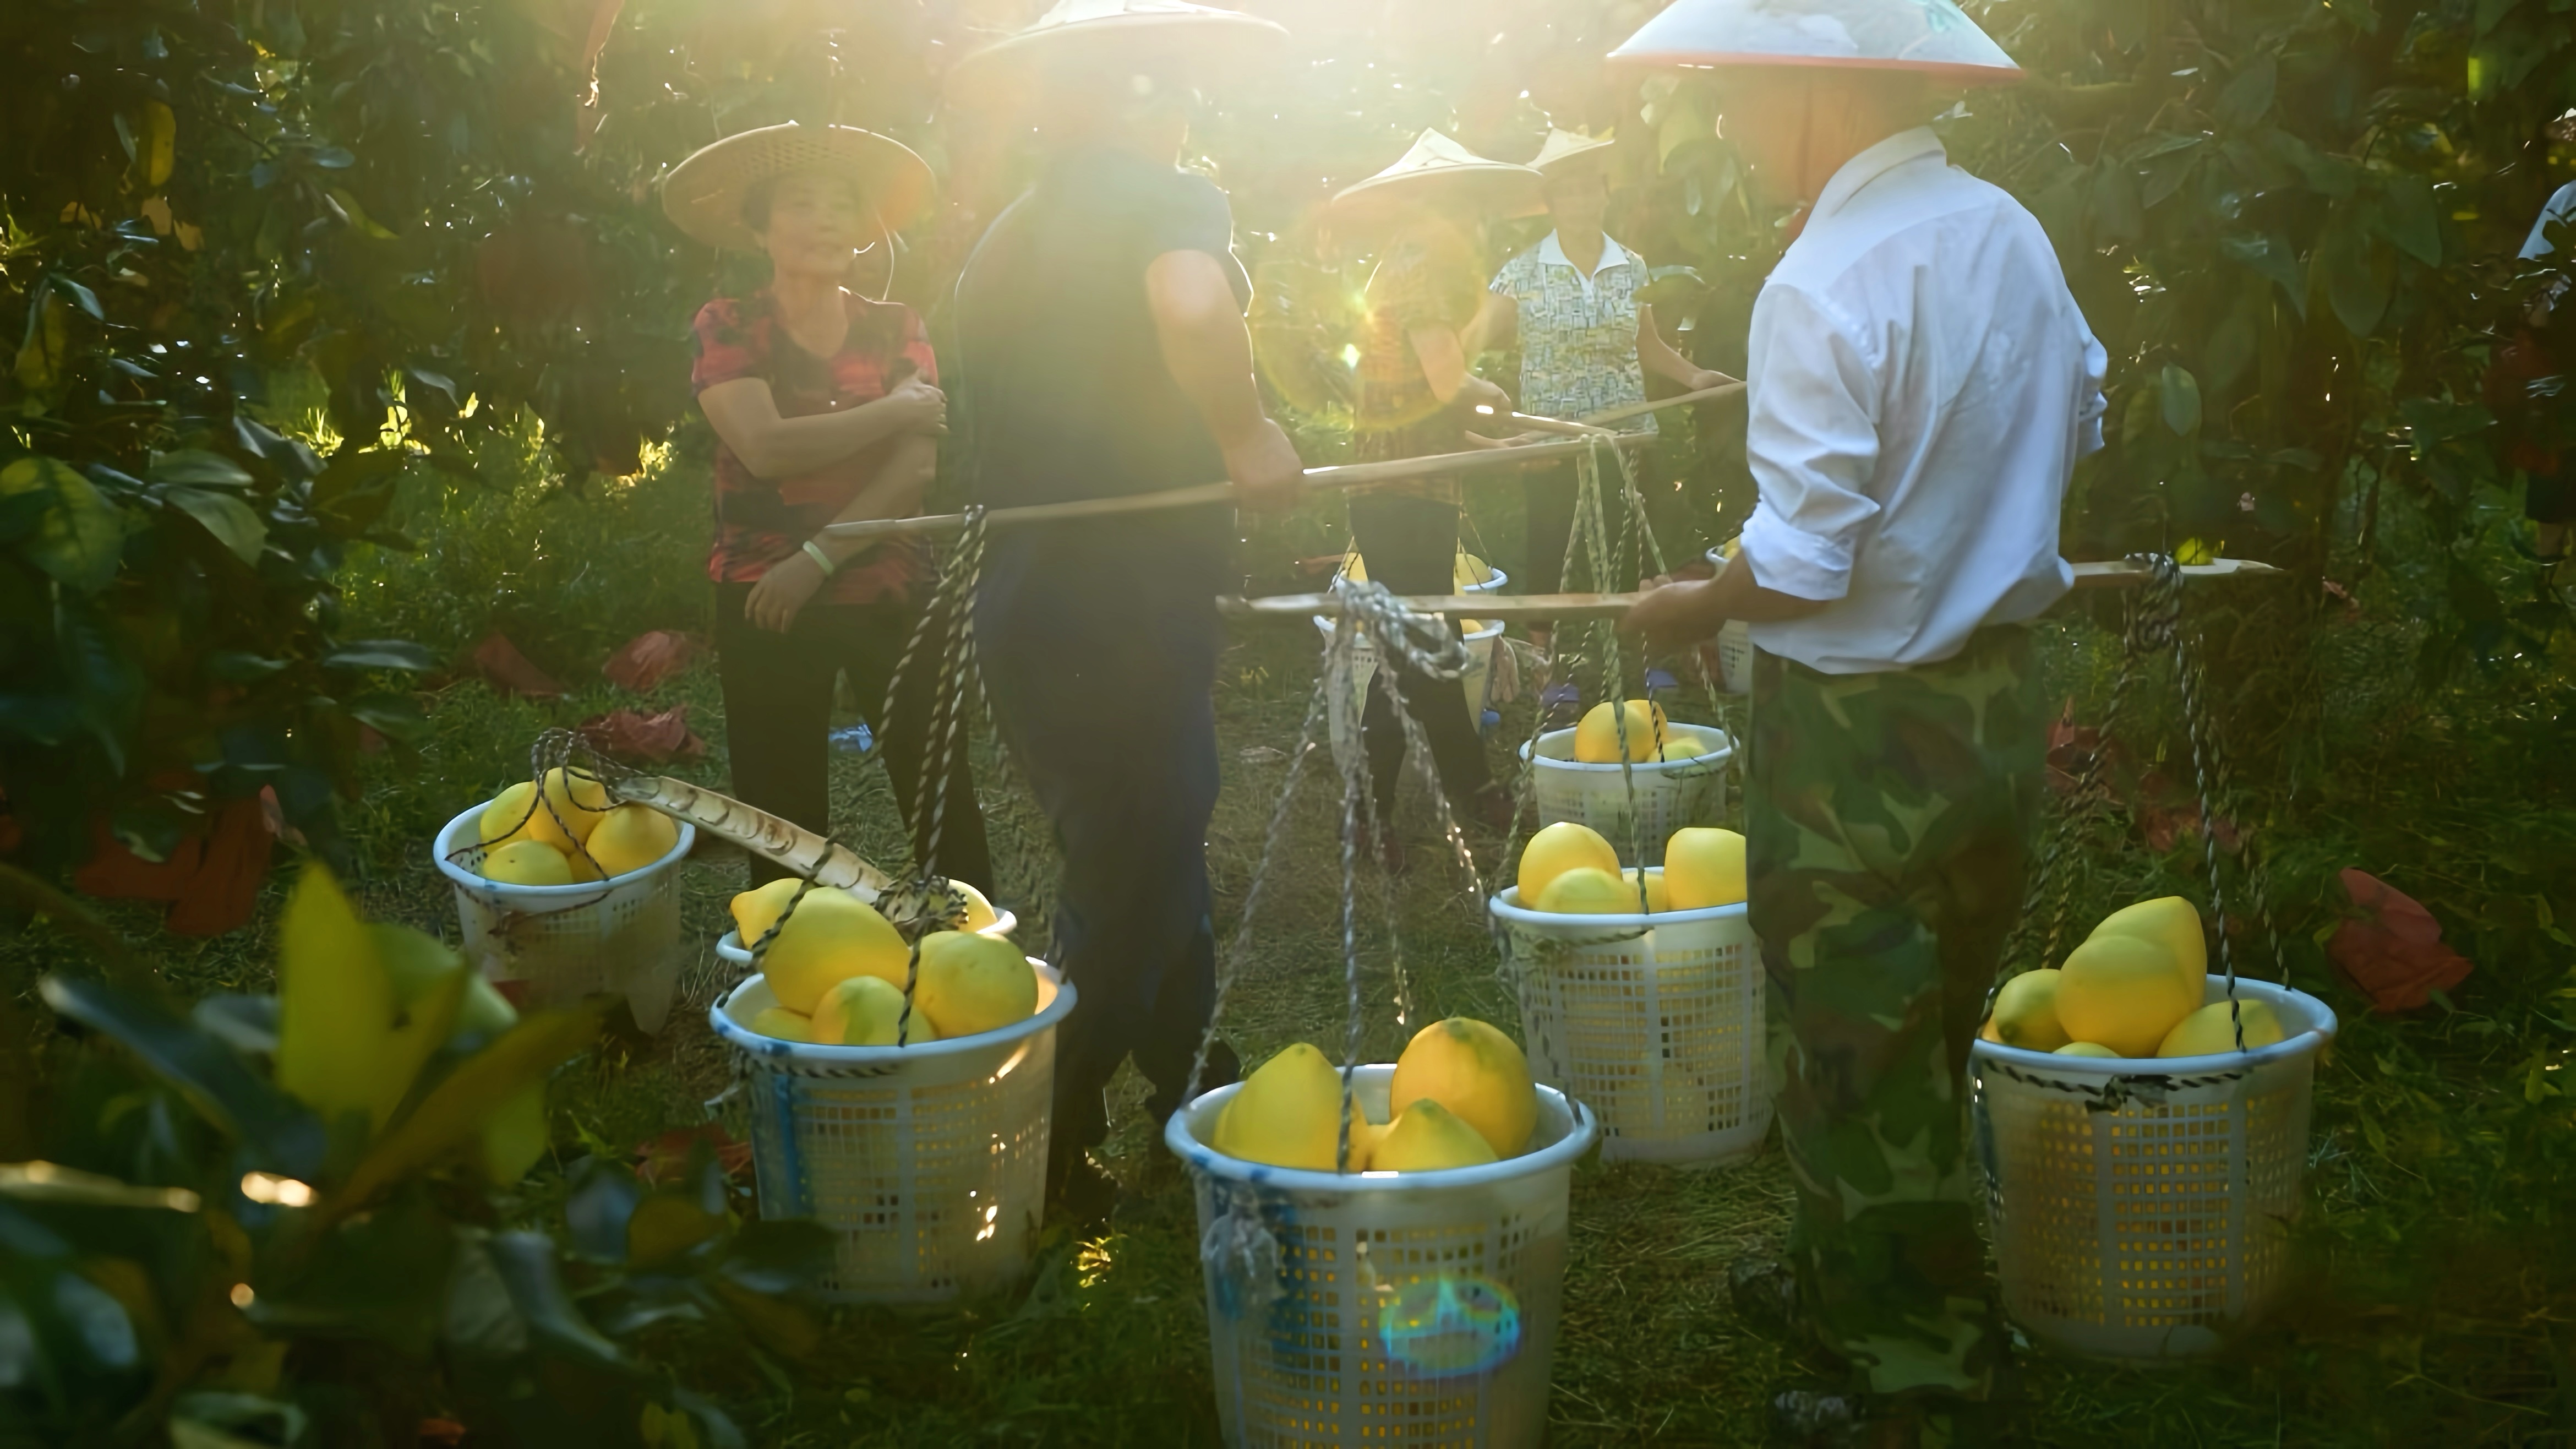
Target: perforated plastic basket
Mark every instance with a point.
(565, 942)
(1380, 1308)
(1474, 680)
(1655, 1022)
(2141, 1207)
(928, 1161)
(1669, 794)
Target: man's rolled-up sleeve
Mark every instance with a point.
(1811, 439)
(2088, 417)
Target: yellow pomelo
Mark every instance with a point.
(756, 909)
(632, 837)
(1987, 1033)
(1682, 745)
(2085, 1049)
(1287, 1113)
(972, 983)
(580, 799)
(2170, 922)
(2122, 992)
(2210, 1031)
(783, 1024)
(2026, 1012)
(1658, 896)
(1355, 568)
(1475, 1071)
(1557, 849)
(1703, 867)
(1597, 739)
(1427, 1137)
(831, 938)
(1584, 891)
(1365, 1136)
(865, 1011)
(527, 863)
(1469, 569)
(515, 815)
(979, 911)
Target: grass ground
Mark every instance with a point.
(2435, 1294)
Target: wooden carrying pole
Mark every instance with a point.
(1350, 475)
(2111, 575)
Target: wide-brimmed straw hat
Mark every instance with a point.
(1440, 175)
(1931, 38)
(704, 194)
(1566, 151)
(1109, 36)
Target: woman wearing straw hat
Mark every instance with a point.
(826, 409)
(1103, 352)
(1586, 340)
(1423, 215)
(1922, 384)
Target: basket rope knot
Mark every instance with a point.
(1424, 642)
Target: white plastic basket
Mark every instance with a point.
(1475, 679)
(729, 946)
(1375, 1308)
(928, 1161)
(1669, 794)
(565, 942)
(1655, 1022)
(2140, 1208)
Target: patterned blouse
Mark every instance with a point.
(1578, 340)
(1417, 284)
(761, 521)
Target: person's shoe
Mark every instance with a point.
(1764, 1292)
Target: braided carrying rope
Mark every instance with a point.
(2152, 629)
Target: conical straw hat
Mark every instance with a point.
(1562, 147)
(704, 194)
(1107, 34)
(1439, 174)
(1932, 38)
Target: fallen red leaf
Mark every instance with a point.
(224, 892)
(2393, 952)
(442, 1431)
(499, 660)
(648, 659)
(115, 873)
(655, 737)
(668, 1154)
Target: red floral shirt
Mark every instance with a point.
(760, 521)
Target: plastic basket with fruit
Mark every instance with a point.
(1642, 990)
(1630, 773)
(1428, 1260)
(2143, 1127)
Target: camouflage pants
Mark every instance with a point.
(1887, 820)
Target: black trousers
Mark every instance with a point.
(778, 712)
(1101, 685)
(1411, 545)
(1548, 495)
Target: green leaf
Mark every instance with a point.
(2249, 95)
(2270, 256)
(81, 297)
(82, 536)
(230, 520)
(2179, 391)
(335, 1006)
(395, 716)
(2408, 219)
(356, 487)
(526, 1262)
(240, 666)
(380, 654)
(2355, 273)
(666, 1225)
(2117, 213)
(451, 1118)
(1683, 122)
(199, 467)
(214, 1079)
(604, 1197)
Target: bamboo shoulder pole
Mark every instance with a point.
(2110, 575)
(1350, 475)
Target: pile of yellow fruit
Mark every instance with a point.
(1648, 736)
(2133, 989)
(837, 969)
(1461, 1097)
(583, 839)
(1567, 869)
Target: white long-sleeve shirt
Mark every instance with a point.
(1922, 384)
